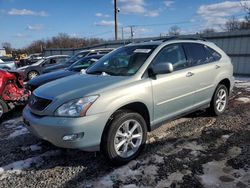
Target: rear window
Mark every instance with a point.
(196, 54)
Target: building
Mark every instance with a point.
(2, 52)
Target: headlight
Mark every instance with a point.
(76, 108)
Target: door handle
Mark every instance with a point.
(189, 74)
(217, 66)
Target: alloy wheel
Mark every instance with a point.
(33, 75)
(128, 138)
(221, 100)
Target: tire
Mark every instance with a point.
(3, 108)
(112, 139)
(32, 74)
(215, 109)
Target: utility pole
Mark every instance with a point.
(122, 34)
(116, 22)
(131, 32)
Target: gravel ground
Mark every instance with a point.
(194, 151)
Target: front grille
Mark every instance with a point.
(38, 103)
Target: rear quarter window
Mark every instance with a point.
(213, 54)
(199, 54)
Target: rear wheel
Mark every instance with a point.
(32, 74)
(3, 108)
(125, 137)
(219, 101)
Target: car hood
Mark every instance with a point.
(45, 78)
(77, 86)
(23, 68)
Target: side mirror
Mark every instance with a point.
(162, 68)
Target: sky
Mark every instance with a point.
(23, 21)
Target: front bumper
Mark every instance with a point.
(53, 129)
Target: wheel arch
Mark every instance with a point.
(138, 107)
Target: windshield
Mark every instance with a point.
(124, 61)
(76, 57)
(83, 63)
(39, 62)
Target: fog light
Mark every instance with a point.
(72, 137)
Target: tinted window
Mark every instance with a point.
(214, 56)
(196, 54)
(172, 54)
(53, 61)
(103, 52)
(83, 63)
(61, 59)
(93, 53)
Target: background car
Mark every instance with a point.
(32, 58)
(36, 69)
(81, 64)
(12, 90)
(74, 58)
(7, 63)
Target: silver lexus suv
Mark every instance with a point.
(129, 92)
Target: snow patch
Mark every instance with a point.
(226, 136)
(234, 152)
(173, 178)
(129, 186)
(122, 173)
(242, 79)
(192, 146)
(34, 147)
(243, 99)
(217, 174)
(243, 83)
(20, 130)
(10, 124)
(18, 166)
(125, 173)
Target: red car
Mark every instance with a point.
(12, 90)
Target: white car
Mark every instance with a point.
(7, 64)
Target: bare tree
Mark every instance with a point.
(174, 31)
(246, 6)
(232, 25)
(208, 30)
(62, 40)
(7, 47)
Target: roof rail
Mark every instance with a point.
(183, 38)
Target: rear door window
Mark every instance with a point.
(196, 54)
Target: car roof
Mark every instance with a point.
(97, 49)
(160, 41)
(53, 56)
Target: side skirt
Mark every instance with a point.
(153, 127)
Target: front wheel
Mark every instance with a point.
(219, 101)
(125, 137)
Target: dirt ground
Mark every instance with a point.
(193, 151)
